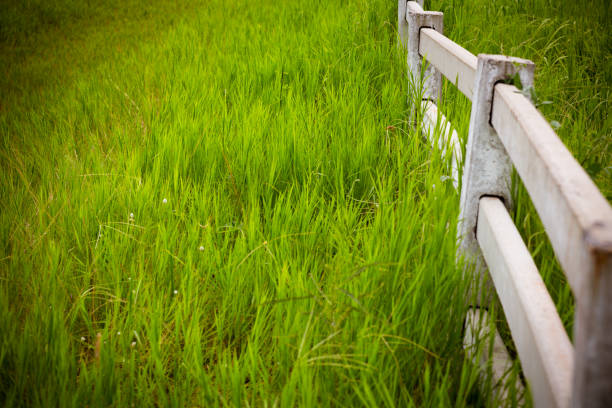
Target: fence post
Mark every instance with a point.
(487, 169)
(402, 24)
(593, 328)
(417, 19)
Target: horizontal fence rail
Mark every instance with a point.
(506, 130)
(454, 62)
(547, 355)
(577, 218)
(442, 135)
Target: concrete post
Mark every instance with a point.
(417, 19)
(593, 333)
(402, 24)
(487, 169)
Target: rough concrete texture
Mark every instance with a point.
(593, 339)
(402, 24)
(417, 19)
(487, 169)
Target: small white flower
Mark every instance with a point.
(82, 338)
(132, 215)
(164, 201)
(175, 292)
(133, 344)
(118, 333)
(201, 248)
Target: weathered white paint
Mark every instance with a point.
(543, 345)
(441, 134)
(578, 220)
(495, 362)
(456, 63)
(487, 167)
(576, 216)
(593, 338)
(417, 19)
(417, 6)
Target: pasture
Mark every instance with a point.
(213, 203)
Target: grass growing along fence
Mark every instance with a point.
(302, 255)
(569, 44)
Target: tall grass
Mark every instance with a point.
(222, 203)
(232, 212)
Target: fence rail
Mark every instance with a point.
(577, 218)
(507, 130)
(545, 349)
(457, 64)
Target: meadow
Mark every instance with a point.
(213, 203)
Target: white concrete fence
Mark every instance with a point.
(507, 130)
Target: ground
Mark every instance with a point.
(223, 203)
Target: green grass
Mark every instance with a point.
(292, 239)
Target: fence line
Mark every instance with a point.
(507, 130)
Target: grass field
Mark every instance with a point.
(222, 203)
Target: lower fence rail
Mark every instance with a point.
(543, 346)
